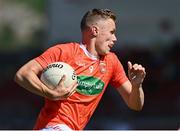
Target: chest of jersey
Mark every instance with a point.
(93, 75)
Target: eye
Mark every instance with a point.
(113, 32)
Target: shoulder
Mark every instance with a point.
(111, 56)
(113, 60)
(64, 47)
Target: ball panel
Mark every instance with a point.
(51, 80)
(53, 73)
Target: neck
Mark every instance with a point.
(90, 46)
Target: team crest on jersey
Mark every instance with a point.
(89, 85)
(102, 67)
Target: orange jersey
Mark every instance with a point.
(93, 77)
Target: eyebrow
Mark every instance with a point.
(113, 31)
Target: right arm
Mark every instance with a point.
(27, 77)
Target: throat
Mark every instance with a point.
(88, 52)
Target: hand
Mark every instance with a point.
(136, 74)
(61, 92)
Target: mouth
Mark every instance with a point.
(110, 45)
(109, 48)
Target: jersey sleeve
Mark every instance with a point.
(119, 75)
(60, 52)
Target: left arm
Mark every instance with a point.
(131, 91)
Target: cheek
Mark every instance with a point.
(102, 46)
(105, 38)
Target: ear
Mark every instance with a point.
(95, 30)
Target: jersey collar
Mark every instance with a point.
(91, 56)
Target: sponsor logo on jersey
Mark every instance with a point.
(89, 85)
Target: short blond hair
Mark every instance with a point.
(94, 15)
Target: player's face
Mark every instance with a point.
(106, 37)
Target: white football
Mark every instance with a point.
(53, 73)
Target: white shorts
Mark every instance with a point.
(58, 127)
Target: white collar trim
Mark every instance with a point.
(91, 56)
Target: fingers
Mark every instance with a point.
(129, 65)
(69, 91)
(62, 92)
(136, 69)
(72, 90)
(66, 91)
(62, 80)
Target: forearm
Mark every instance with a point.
(27, 77)
(30, 82)
(136, 98)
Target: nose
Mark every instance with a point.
(114, 38)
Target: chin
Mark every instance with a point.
(105, 53)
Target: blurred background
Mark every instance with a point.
(148, 32)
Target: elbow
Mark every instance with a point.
(136, 107)
(19, 76)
